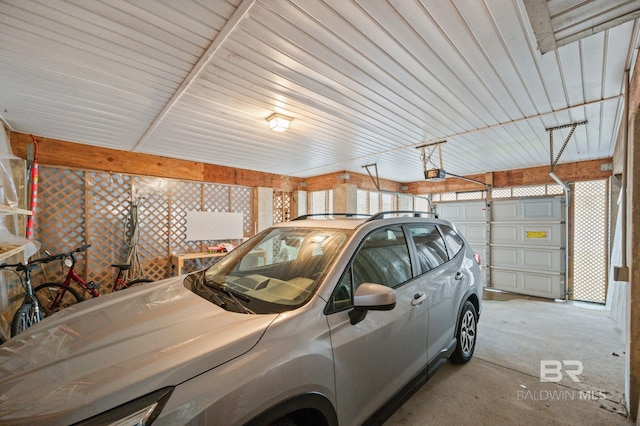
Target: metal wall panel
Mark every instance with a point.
(365, 81)
(528, 246)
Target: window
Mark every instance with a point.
(341, 298)
(527, 191)
(429, 246)
(278, 269)
(454, 241)
(383, 258)
(459, 196)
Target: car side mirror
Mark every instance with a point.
(371, 297)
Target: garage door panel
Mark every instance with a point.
(475, 234)
(543, 260)
(529, 283)
(528, 209)
(503, 257)
(540, 285)
(471, 219)
(505, 280)
(504, 211)
(526, 259)
(538, 210)
(504, 234)
(527, 246)
(527, 234)
(449, 211)
(475, 211)
(543, 235)
(464, 211)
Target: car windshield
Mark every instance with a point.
(275, 271)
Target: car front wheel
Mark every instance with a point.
(466, 334)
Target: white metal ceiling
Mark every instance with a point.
(367, 81)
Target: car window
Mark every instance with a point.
(430, 246)
(341, 298)
(276, 270)
(383, 258)
(454, 241)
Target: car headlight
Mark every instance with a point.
(139, 412)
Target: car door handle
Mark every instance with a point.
(418, 299)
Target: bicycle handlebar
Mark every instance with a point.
(82, 248)
(27, 265)
(50, 258)
(69, 253)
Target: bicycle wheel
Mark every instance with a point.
(24, 318)
(137, 282)
(47, 293)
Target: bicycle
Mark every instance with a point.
(30, 311)
(54, 297)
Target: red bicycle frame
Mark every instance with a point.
(72, 275)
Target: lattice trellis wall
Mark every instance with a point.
(86, 207)
(60, 221)
(281, 206)
(590, 241)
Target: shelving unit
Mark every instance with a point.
(7, 249)
(4, 210)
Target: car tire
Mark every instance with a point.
(466, 334)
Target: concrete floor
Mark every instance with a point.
(501, 384)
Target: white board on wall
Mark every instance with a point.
(214, 226)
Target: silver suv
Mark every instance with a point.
(317, 321)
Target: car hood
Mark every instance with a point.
(107, 351)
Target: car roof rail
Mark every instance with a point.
(329, 215)
(413, 213)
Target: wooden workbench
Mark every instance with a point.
(177, 260)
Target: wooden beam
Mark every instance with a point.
(362, 181)
(73, 155)
(233, 176)
(450, 184)
(568, 172)
(55, 152)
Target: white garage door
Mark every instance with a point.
(472, 219)
(528, 246)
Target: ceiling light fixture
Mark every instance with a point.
(278, 122)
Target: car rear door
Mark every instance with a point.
(376, 357)
(440, 278)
